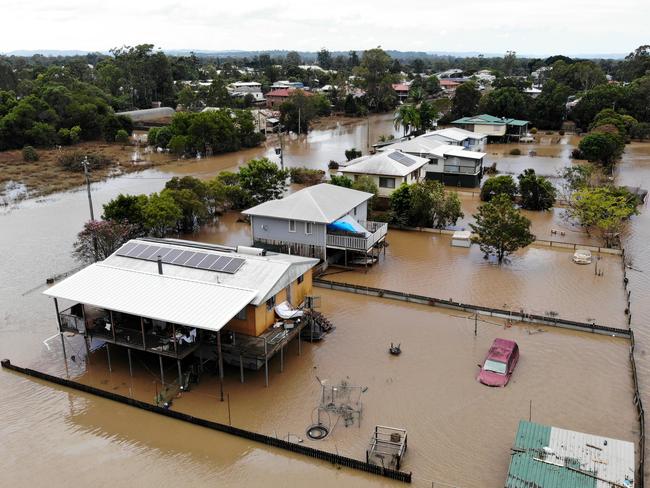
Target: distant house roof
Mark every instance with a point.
(429, 146)
(550, 457)
(286, 92)
(323, 203)
(386, 163)
(444, 82)
(182, 294)
(148, 113)
(486, 119)
(401, 87)
(455, 134)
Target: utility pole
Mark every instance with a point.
(299, 122)
(86, 164)
(281, 150)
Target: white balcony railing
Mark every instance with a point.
(357, 242)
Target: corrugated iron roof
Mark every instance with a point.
(323, 203)
(181, 301)
(550, 457)
(385, 163)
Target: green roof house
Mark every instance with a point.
(550, 457)
(494, 127)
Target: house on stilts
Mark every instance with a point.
(322, 221)
(191, 303)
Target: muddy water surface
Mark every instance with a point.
(92, 441)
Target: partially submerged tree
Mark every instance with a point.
(537, 192)
(498, 185)
(602, 147)
(425, 204)
(367, 184)
(500, 228)
(263, 180)
(603, 209)
(100, 238)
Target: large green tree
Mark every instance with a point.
(466, 100)
(537, 192)
(262, 180)
(499, 185)
(602, 147)
(500, 228)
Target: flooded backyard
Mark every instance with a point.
(459, 432)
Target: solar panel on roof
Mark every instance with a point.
(183, 257)
(135, 252)
(220, 263)
(401, 158)
(178, 257)
(171, 255)
(162, 252)
(208, 261)
(233, 265)
(150, 251)
(196, 259)
(124, 250)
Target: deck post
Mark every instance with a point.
(220, 364)
(180, 373)
(108, 355)
(83, 316)
(174, 338)
(282, 358)
(266, 364)
(241, 367)
(299, 342)
(162, 373)
(144, 343)
(346, 257)
(110, 313)
(128, 352)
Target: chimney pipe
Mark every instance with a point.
(160, 264)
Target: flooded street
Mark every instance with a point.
(429, 390)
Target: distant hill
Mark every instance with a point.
(309, 55)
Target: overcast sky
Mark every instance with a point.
(548, 27)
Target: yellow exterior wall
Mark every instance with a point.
(258, 319)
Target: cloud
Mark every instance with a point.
(469, 25)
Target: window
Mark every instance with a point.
(301, 278)
(308, 228)
(292, 226)
(354, 212)
(386, 182)
(270, 303)
(241, 315)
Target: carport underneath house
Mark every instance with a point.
(189, 302)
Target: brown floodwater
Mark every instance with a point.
(460, 433)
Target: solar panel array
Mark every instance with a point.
(401, 158)
(178, 257)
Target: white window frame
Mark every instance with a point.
(292, 225)
(309, 228)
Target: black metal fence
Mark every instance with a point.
(638, 403)
(335, 459)
(493, 312)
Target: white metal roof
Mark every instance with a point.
(386, 163)
(161, 297)
(422, 145)
(454, 134)
(323, 203)
(611, 459)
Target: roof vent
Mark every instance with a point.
(254, 251)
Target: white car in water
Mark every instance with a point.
(582, 256)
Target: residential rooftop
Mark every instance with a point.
(389, 162)
(186, 292)
(323, 203)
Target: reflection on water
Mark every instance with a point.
(103, 444)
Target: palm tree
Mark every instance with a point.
(407, 116)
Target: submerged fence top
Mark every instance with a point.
(246, 434)
(495, 312)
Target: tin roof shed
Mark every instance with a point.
(550, 457)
